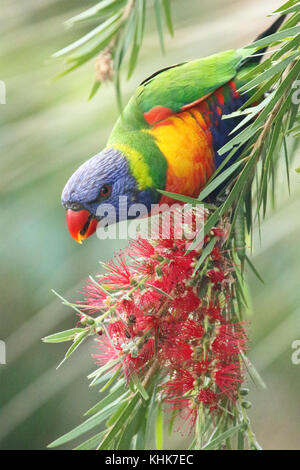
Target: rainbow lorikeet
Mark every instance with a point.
(167, 138)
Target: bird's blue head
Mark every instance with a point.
(103, 179)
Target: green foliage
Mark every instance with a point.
(120, 29)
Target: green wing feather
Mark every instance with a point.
(183, 84)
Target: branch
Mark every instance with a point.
(115, 34)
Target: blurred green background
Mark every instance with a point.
(46, 130)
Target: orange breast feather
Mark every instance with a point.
(186, 142)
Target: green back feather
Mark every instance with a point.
(185, 83)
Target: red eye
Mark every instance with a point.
(105, 191)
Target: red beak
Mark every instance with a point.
(81, 224)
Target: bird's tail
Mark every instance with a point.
(256, 57)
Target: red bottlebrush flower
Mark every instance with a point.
(140, 247)
(214, 312)
(145, 354)
(187, 302)
(216, 254)
(188, 407)
(206, 239)
(116, 345)
(230, 340)
(136, 358)
(95, 297)
(161, 313)
(188, 413)
(127, 307)
(192, 330)
(216, 276)
(180, 384)
(200, 367)
(118, 331)
(150, 301)
(208, 397)
(109, 351)
(218, 232)
(119, 275)
(146, 267)
(175, 338)
(146, 322)
(175, 352)
(165, 283)
(228, 378)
